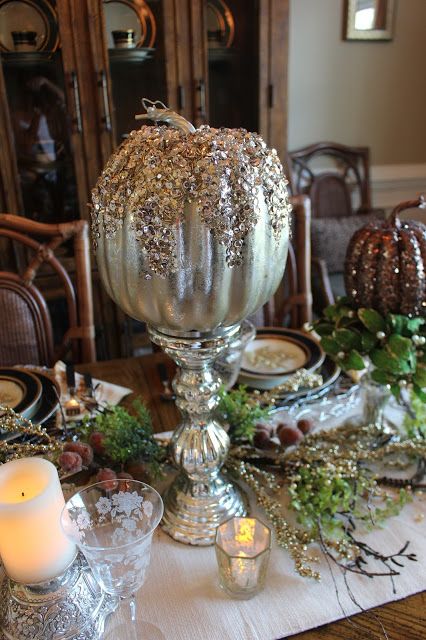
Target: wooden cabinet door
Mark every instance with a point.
(273, 56)
(239, 66)
(153, 63)
(43, 165)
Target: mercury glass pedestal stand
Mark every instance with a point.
(201, 497)
(69, 607)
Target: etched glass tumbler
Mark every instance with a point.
(112, 523)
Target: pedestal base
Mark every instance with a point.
(193, 511)
(200, 498)
(70, 607)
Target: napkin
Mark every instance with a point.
(106, 392)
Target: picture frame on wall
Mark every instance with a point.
(369, 20)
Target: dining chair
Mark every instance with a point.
(291, 305)
(337, 179)
(26, 329)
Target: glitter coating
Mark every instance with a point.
(385, 267)
(191, 228)
(157, 170)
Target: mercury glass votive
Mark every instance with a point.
(243, 546)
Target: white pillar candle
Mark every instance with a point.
(33, 547)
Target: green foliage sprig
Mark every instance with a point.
(241, 412)
(394, 346)
(334, 489)
(415, 423)
(126, 437)
(335, 493)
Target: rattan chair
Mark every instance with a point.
(337, 179)
(26, 330)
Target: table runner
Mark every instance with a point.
(181, 598)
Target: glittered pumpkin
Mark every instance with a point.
(191, 225)
(385, 264)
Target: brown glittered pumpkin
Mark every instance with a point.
(385, 266)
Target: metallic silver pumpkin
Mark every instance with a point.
(224, 267)
(191, 230)
(205, 292)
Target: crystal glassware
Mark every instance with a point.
(243, 546)
(374, 398)
(228, 364)
(112, 523)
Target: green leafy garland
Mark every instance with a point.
(334, 490)
(394, 345)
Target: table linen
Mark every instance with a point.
(181, 598)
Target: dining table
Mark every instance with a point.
(403, 619)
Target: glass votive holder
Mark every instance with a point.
(243, 546)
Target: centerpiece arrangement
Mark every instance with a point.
(191, 229)
(379, 329)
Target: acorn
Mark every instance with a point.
(263, 426)
(262, 440)
(289, 435)
(305, 425)
(109, 477)
(283, 425)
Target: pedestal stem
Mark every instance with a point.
(201, 497)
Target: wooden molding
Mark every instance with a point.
(394, 183)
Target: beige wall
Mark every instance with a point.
(360, 93)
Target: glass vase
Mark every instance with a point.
(227, 365)
(374, 397)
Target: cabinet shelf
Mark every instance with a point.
(130, 55)
(220, 54)
(27, 58)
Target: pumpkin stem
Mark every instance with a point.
(158, 112)
(419, 203)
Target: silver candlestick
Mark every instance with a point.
(69, 607)
(201, 497)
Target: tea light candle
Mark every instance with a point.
(242, 549)
(33, 547)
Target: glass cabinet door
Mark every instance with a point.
(245, 46)
(35, 92)
(232, 32)
(135, 34)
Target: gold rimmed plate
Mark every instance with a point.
(37, 16)
(123, 15)
(220, 24)
(277, 353)
(49, 403)
(20, 390)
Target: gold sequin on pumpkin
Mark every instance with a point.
(157, 170)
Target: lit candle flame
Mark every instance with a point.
(245, 532)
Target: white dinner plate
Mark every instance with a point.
(275, 354)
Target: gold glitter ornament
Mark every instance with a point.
(385, 266)
(197, 217)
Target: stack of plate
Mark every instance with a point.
(32, 393)
(277, 353)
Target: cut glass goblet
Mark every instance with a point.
(112, 523)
